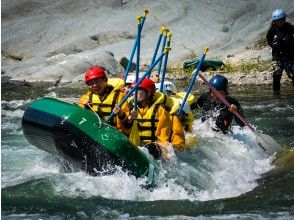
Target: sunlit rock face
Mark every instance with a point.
(58, 40)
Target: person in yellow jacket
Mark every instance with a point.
(177, 137)
(103, 97)
(182, 122)
(152, 123)
(170, 90)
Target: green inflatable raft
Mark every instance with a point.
(207, 64)
(78, 136)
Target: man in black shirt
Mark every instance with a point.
(280, 37)
(212, 106)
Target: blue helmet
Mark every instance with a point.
(278, 14)
(219, 82)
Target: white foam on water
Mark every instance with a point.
(224, 166)
(12, 114)
(282, 108)
(15, 104)
(262, 106)
(8, 125)
(40, 166)
(228, 168)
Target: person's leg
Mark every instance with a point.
(278, 68)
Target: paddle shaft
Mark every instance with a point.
(138, 83)
(135, 46)
(165, 63)
(193, 80)
(138, 60)
(157, 44)
(162, 49)
(222, 98)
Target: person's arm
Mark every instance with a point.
(235, 106)
(270, 36)
(163, 126)
(84, 100)
(163, 131)
(122, 115)
(178, 135)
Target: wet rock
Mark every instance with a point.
(124, 63)
(71, 67)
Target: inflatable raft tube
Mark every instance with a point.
(78, 136)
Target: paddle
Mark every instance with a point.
(162, 30)
(135, 45)
(262, 140)
(139, 18)
(193, 80)
(165, 63)
(138, 83)
(162, 49)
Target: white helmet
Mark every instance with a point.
(167, 86)
(132, 77)
(186, 107)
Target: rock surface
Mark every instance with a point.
(58, 40)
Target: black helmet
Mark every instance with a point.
(219, 82)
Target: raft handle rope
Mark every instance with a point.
(99, 119)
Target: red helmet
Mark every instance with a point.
(95, 72)
(148, 85)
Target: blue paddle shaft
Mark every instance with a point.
(137, 64)
(163, 45)
(164, 66)
(136, 85)
(193, 80)
(133, 50)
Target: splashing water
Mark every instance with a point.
(215, 166)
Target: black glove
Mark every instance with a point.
(154, 150)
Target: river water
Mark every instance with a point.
(219, 177)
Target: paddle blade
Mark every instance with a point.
(267, 143)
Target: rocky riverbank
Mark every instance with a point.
(235, 80)
(53, 43)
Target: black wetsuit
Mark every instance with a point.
(219, 112)
(281, 40)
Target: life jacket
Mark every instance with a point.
(191, 98)
(105, 106)
(187, 120)
(176, 105)
(147, 123)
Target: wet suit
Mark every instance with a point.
(281, 40)
(218, 111)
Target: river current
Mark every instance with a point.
(219, 176)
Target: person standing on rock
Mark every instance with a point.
(212, 107)
(280, 38)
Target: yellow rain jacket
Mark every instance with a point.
(177, 137)
(187, 121)
(191, 98)
(153, 123)
(103, 105)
